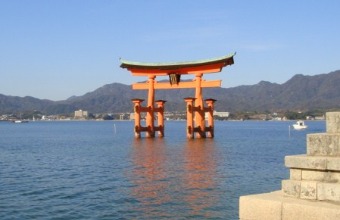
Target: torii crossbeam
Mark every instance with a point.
(195, 107)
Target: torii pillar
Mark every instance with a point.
(160, 117)
(190, 117)
(210, 110)
(150, 113)
(195, 106)
(137, 111)
(199, 107)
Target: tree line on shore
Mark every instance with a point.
(240, 115)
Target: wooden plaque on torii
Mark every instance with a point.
(195, 107)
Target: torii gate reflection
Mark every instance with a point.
(184, 179)
(195, 106)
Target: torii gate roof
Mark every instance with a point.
(192, 67)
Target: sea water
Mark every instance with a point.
(98, 170)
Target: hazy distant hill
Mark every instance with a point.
(299, 93)
(9, 104)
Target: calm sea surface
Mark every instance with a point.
(97, 170)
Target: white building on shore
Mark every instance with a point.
(80, 114)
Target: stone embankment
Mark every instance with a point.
(313, 189)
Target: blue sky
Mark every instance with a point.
(56, 49)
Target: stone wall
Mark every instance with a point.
(313, 188)
(316, 175)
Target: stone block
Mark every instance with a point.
(333, 163)
(323, 144)
(304, 162)
(259, 207)
(295, 174)
(276, 206)
(313, 175)
(308, 190)
(321, 176)
(298, 209)
(328, 192)
(333, 122)
(291, 188)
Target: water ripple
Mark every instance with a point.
(82, 170)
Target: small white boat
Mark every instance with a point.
(299, 125)
(19, 121)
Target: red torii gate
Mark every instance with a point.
(195, 106)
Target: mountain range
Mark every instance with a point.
(300, 93)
